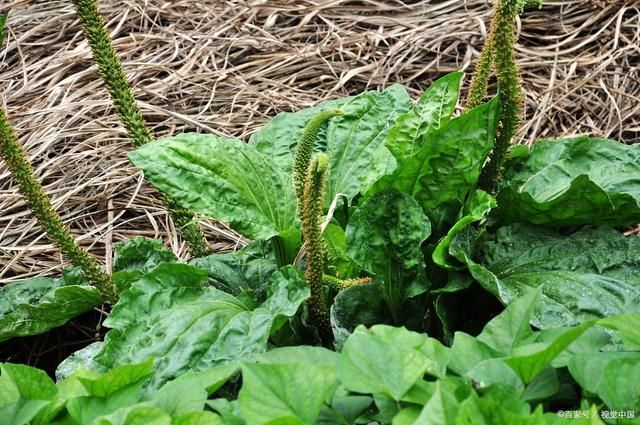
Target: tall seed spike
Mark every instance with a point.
(40, 204)
(481, 75)
(499, 53)
(510, 89)
(311, 213)
(112, 73)
(305, 148)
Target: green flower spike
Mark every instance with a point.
(498, 54)
(340, 284)
(112, 73)
(305, 148)
(11, 151)
(311, 214)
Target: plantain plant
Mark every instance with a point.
(112, 73)
(382, 198)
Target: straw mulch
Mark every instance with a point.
(227, 66)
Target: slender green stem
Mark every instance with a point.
(279, 251)
(3, 22)
(22, 172)
(313, 198)
(112, 73)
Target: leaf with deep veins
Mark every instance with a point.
(384, 237)
(169, 315)
(589, 274)
(445, 169)
(34, 306)
(224, 179)
(433, 109)
(573, 181)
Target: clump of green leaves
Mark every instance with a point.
(508, 374)
(402, 221)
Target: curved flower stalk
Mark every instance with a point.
(305, 149)
(340, 284)
(22, 172)
(311, 213)
(110, 69)
(498, 55)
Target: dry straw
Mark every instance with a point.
(227, 66)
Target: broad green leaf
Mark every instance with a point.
(141, 414)
(136, 257)
(284, 393)
(531, 359)
(34, 306)
(592, 340)
(169, 280)
(352, 141)
(495, 372)
(431, 111)
(279, 138)
(467, 352)
(407, 416)
(510, 328)
(339, 262)
(628, 327)
(83, 358)
(344, 408)
(499, 407)
(446, 168)
(383, 360)
(420, 393)
(573, 181)
(475, 209)
(589, 274)
(354, 306)
(141, 254)
(439, 356)
(169, 315)
(443, 407)
(118, 388)
(180, 396)
(238, 272)
(300, 354)
(228, 410)
(198, 418)
(222, 178)
(544, 386)
(24, 391)
(209, 379)
(67, 389)
(386, 409)
(384, 237)
(614, 377)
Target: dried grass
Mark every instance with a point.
(228, 66)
